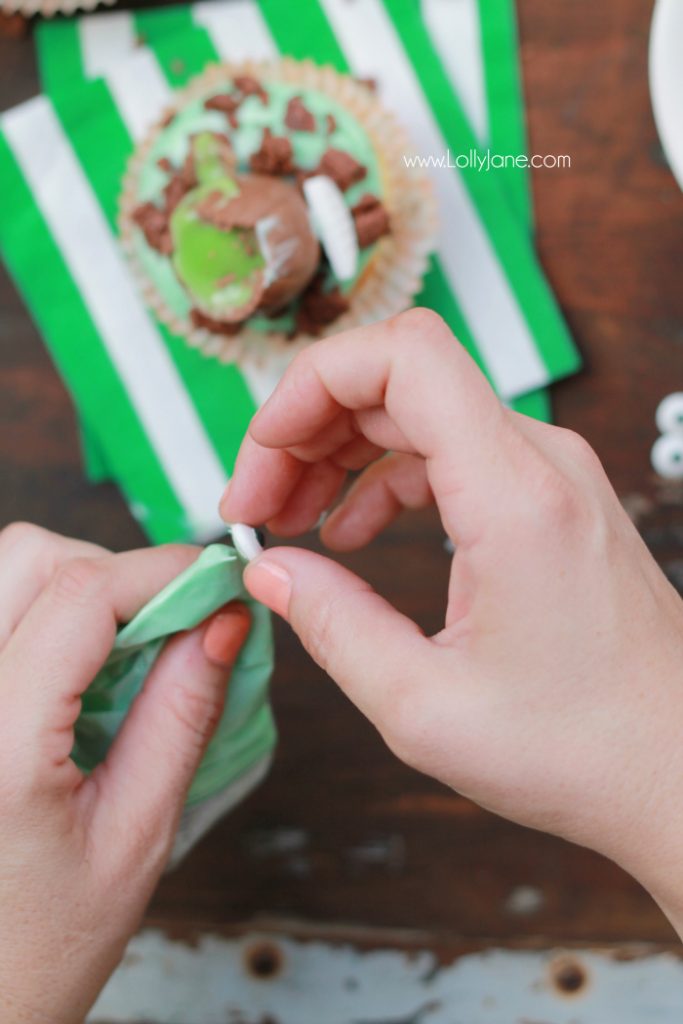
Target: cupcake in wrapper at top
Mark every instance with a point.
(272, 205)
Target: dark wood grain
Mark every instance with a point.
(341, 832)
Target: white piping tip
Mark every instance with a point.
(245, 539)
(333, 224)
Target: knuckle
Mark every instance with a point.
(579, 450)
(20, 533)
(78, 580)
(304, 366)
(306, 358)
(319, 635)
(317, 623)
(557, 510)
(559, 505)
(197, 711)
(423, 321)
(555, 499)
(150, 839)
(145, 849)
(28, 784)
(421, 327)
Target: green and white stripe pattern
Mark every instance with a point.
(164, 421)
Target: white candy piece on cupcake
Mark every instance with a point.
(333, 224)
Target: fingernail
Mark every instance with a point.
(338, 515)
(225, 635)
(270, 584)
(224, 497)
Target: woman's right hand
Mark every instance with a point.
(554, 693)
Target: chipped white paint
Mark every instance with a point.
(165, 982)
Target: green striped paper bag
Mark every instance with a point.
(168, 421)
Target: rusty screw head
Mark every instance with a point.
(568, 976)
(264, 960)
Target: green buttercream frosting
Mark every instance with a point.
(208, 164)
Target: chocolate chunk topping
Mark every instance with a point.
(185, 178)
(212, 209)
(174, 192)
(274, 156)
(341, 167)
(301, 176)
(228, 212)
(187, 173)
(201, 320)
(152, 220)
(298, 116)
(181, 182)
(368, 83)
(371, 219)
(223, 101)
(250, 86)
(330, 123)
(229, 103)
(318, 307)
(153, 223)
(231, 212)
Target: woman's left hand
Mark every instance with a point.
(80, 857)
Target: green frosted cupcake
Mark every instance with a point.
(272, 206)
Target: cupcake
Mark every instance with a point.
(272, 206)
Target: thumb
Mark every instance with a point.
(153, 760)
(364, 644)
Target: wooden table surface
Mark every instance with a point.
(341, 833)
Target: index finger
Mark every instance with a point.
(409, 386)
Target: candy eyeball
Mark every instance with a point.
(667, 456)
(669, 415)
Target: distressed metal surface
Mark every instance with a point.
(269, 979)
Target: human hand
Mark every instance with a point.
(553, 695)
(79, 857)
